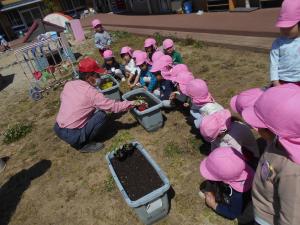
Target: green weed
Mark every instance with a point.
(109, 184)
(172, 150)
(16, 132)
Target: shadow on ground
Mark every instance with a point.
(11, 192)
(5, 81)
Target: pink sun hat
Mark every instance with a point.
(176, 70)
(213, 125)
(289, 14)
(162, 63)
(126, 50)
(168, 43)
(108, 54)
(150, 42)
(96, 22)
(198, 91)
(227, 165)
(183, 78)
(245, 99)
(278, 110)
(156, 55)
(141, 58)
(135, 53)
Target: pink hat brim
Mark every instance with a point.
(251, 118)
(201, 101)
(244, 182)
(233, 104)
(292, 146)
(204, 171)
(286, 24)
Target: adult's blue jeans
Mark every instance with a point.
(77, 138)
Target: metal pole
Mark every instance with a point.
(149, 6)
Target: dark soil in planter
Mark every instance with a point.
(137, 175)
(145, 97)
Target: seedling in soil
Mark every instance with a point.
(144, 105)
(124, 151)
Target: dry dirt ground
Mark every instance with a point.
(46, 182)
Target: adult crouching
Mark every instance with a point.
(78, 123)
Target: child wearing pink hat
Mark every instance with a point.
(169, 49)
(112, 66)
(165, 87)
(132, 72)
(147, 79)
(227, 189)
(102, 37)
(285, 53)
(221, 130)
(277, 179)
(156, 55)
(203, 104)
(150, 47)
(245, 99)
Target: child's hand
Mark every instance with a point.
(210, 200)
(186, 105)
(145, 88)
(172, 96)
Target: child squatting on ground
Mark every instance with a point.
(112, 66)
(285, 53)
(227, 189)
(222, 130)
(102, 37)
(169, 49)
(150, 48)
(132, 72)
(203, 104)
(147, 79)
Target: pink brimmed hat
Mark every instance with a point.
(162, 63)
(156, 55)
(213, 125)
(183, 78)
(141, 58)
(245, 99)
(96, 22)
(289, 14)
(168, 43)
(126, 50)
(227, 165)
(278, 110)
(198, 91)
(150, 42)
(108, 54)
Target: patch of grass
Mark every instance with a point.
(16, 132)
(117, 35)
(121, 139)
(172, 150)
(109, 184)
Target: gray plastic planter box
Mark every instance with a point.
(151, 119)
(153, 206)
(114, 91)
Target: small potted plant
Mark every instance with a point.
(144, 105)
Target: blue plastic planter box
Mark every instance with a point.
(151, 119)
(153, 206)
(114, 91)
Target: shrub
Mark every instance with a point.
(16, 132)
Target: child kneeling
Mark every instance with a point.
(227, 189)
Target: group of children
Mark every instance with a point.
(229, 169)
